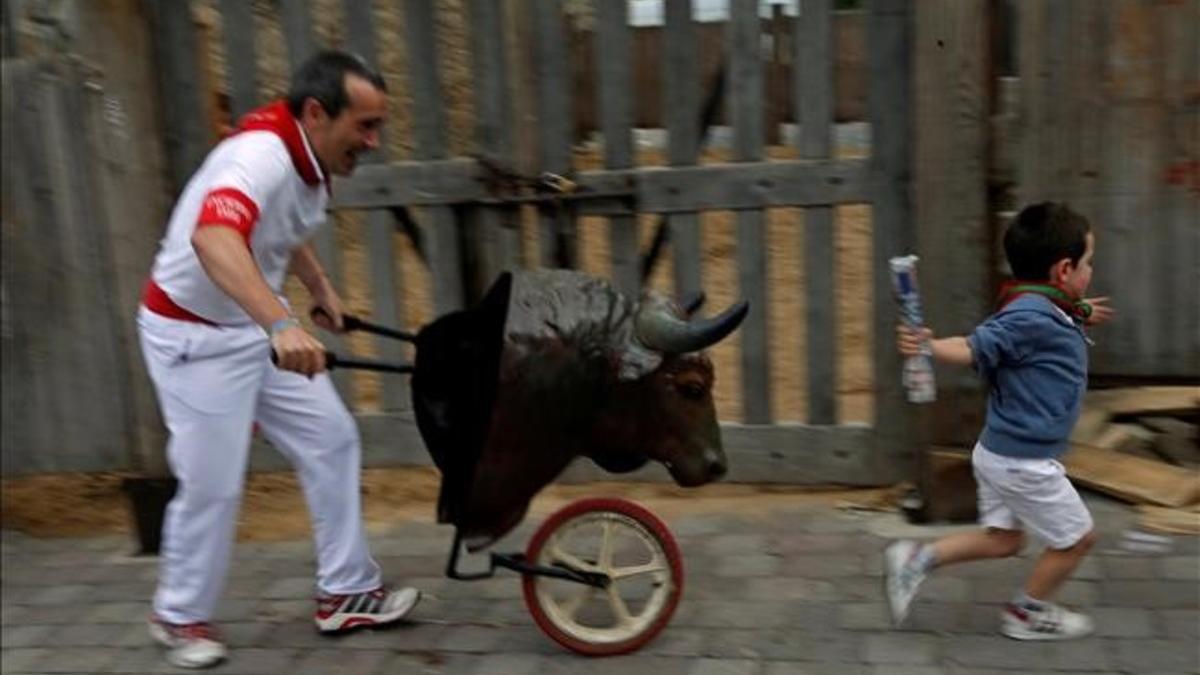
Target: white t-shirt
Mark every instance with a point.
(267, 185)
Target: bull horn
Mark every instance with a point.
(660, 329)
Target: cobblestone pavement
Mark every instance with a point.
(787, 592)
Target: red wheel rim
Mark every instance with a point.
(666, 566)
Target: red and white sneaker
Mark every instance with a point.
(380, 607)
(1050, 622)
(189, 645)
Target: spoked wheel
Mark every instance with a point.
(623, 541)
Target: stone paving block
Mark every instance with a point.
(405, 636)
(12, 660)
(1180, 656)
(784, 645)
(824, 566)
(1122, 621)
(631, 664)
(48, 595)
(858, 589)
(725, 667)
(236, 609)
(1179, 624)
(793, 588)
(985, 651)
(677, 641)
(863, 616)
(402, 569)
(693, 527)
(1151, 594)
(506, 664)
(728, 614)
(1073, 592)
(835, 523)
(735, 544)
(280, 611)
(256, 661)
(144, 660)
(807, 543)
(804, 668)
(902, 649)
(75, 660)
(1180, 568)
(430, 662)
(414, 546)
(1115, 567)
(115, 612)
(55, 614)
(325, 661)
(753, 565)
(287, 589)
(141, 591)
(88, 635)
(24, 636)
(811, 616)
(945, 589)
(894, 669)
(947, 617)
(1089, 655)
(700, 584)
(470, 639)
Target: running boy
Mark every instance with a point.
(1033, 354)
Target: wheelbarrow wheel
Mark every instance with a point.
(616, 538)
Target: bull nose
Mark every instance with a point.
(716, 465)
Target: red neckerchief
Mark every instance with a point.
(1064, 300)
(277, 119)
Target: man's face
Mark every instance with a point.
(1077, 278)
(337, 141)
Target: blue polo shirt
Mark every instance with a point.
(1034, 358)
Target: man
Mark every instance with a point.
(211, 314)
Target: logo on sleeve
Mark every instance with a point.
(229, 207)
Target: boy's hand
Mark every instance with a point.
(909, 341)
(1101, 312)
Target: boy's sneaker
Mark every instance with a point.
(1051, 622)
(189, 645)
(902, 577)
(339, 613)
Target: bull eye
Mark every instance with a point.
(692, 391)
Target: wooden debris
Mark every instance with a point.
(1134, 479)
(1171, 521)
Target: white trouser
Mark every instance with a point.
(213, 384)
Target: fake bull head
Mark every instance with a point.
(554, 365)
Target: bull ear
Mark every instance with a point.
(658, 328)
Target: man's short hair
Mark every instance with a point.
(1041, 235)
(323, 77)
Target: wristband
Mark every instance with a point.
(282, 325)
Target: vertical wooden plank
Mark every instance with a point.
(813, 72)
(429, 129)
(681, 107)
(386, 292)
(557, 236)
(888, 103)
(613, 42)
(746, 107)
(1181, 315)
(297, 31)
(952, 219)
(237, 20)
(184, 111)
(494, 230)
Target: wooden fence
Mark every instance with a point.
(470, 224)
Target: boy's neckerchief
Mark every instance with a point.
(1065, 301)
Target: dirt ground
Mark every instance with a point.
(78, 505)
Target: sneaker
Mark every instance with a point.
(901, 578)
(339, 613)
(1051, 622)
(189, 645)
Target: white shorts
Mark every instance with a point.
(1031, 494)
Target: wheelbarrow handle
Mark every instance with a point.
(351, 322)
(332, 361)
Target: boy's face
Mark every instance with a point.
(1075, 278)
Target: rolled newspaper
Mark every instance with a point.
(917, 375)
